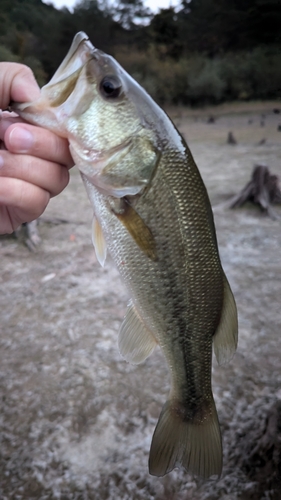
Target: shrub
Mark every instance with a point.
(7, 55)
(205, 82)
(197, 79)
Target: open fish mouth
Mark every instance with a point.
(77, 56)
(63, 82)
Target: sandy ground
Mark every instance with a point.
(76, 420)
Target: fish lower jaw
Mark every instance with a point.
(92, 158)
(92, 164)
(107, 189)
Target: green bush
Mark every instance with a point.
(193, 80)
(253, 75)
(205, 82)
(37, 69)
(198, 79)
(165, 80)
(7, 55)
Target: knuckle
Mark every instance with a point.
(60, 180)
(25, 71)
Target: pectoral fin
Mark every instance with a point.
(99, 242)
(138, 229)
(226, 337)
(135, 341)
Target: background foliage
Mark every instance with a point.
(205, 51)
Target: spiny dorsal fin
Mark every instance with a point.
(99, 242)
(226, 336)
(135, 341)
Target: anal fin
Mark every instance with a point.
(135, 341)
(226, 336)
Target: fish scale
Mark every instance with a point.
(152, 213)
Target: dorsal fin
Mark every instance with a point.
(135, 341)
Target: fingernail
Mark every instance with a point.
(1, 161)
(21, 140)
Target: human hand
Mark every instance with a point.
(34, 162)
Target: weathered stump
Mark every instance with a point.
(231, 139)
(258, 452)
(28, 233)
(262, 190)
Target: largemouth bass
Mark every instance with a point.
(152, 213)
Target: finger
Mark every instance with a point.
(28, 139)
(6, 120)
(44, 174)
(6, 223)
(20, 202)
(17, 83)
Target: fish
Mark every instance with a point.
(153, 215)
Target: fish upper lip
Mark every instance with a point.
(76, 58)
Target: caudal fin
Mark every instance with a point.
(179, 441)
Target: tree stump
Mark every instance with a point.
(259, 452)
(262, 190)
(231, 139)
(28, 233)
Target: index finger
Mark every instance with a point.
(44, 144)
(17, 83)
(7, 119)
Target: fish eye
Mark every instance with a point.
(110, 87)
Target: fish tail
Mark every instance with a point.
(194, 443)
